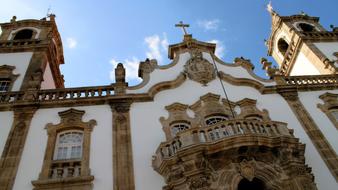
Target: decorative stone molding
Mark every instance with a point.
(250, 111)
(15, 142)
(123, 169)
(330, 106)
(199, 69)
(51, 176)
(210, 105)
(177, 114)
(120, 79)
(6, 73)
(312, 130)
(245, 63)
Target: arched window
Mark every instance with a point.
(24, 34)
(178, 127)
(306, 27)
(69, 145)
(211, 120)
(255, 184)
(282, 46)
(4, 84)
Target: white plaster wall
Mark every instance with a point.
(147, 131)
(48, 81)
(20, 61)
(310, 101)
(6, 120)
(100, 147)
(161, 75)
(303, 66)
(328, 48)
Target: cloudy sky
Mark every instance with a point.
(99, 34)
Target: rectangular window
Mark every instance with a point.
(4, 85)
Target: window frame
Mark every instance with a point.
(6, 74)
(329, 107)
(215, 116)
(77, 168)
(69, 146)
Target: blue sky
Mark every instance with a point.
(98, 34)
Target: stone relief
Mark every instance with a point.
(199, 69)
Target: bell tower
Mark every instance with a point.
(30, 54)
(301, 46)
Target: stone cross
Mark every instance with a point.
(183, 27)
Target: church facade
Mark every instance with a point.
(197, 123)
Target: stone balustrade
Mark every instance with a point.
(16, 43)
(219, 132)
(320, 35)
(59, 94)
(311, 80)
(75, 93)
(65, 168)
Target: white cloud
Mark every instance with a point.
(220, 48)
(209, 24)
(71, 43)
(131, 67)
(156, 46)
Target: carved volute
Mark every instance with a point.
(250, 111)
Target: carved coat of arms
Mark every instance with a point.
(199, 69)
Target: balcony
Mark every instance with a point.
(219, 137)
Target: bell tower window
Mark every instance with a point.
(306, 27)
(24, 34)
(282, 46)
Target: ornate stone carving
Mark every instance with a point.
(199, 183)
(330, 106)
(247, 169)
(199, 69)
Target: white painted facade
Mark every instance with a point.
(100, 147)
(20, 61)
(145, 145)
(328, 49)
(303, 66)
(48, 81)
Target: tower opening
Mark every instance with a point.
(255, 184)
(24, 34)
(306, 27)
(282, 46)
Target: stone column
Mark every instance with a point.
(15, 143)
(312, 130)
(123, 170)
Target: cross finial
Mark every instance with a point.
(183, 27)
(270, 8)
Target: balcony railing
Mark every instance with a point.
(65, 168)
(60, 94)
(222, 131)
(311, 80)
(18, 43)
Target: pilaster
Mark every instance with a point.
(123, 170)
(15, 143)
(312, 130)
